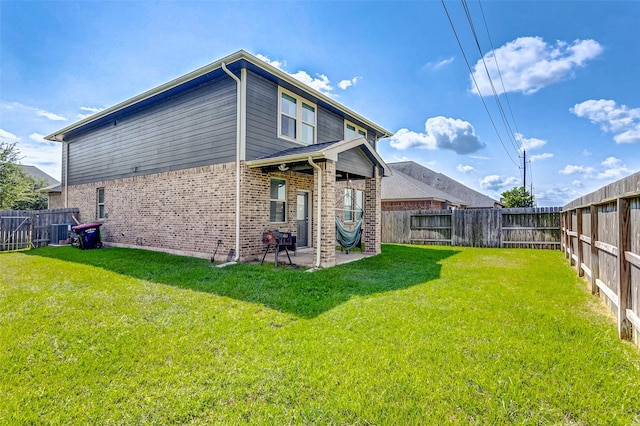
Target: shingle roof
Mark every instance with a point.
(300, 150)
(404, 187)
(471, 197)
(39, 174)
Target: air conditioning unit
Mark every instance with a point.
(59, 234)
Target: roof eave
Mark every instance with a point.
(58, 136)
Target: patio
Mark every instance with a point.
(305, 257)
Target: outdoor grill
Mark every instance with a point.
(279, 241)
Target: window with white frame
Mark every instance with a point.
(100, 203)
(348, 205)
(359, 207)
(278, 201)
(297, 118)
(352, 131)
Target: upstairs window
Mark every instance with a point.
(351, 131)
(297, 118)
(278, 204)
(100, 203)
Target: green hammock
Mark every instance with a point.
(348, 238)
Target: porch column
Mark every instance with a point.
(327, 244)
(372, 213)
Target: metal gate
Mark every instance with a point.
(15, 233)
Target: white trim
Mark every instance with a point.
(298, 118)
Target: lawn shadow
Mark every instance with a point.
(284, 289)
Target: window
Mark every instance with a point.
(348, 205)
(278, 205)
(359, 204)
(297, 118)
(100, 203)
(351, 131)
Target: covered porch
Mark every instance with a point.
(334, 165)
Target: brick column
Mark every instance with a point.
(327, 244)
(372, 214)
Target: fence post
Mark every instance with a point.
(595, 261)
(579, 242)
(624, 268)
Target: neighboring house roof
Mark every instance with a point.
(471, 197)
(401, 187)
(234, 63)
(39, 174)
(321, 151)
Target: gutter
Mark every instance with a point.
(238, 151)
(318, 210)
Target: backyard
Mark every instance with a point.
(416, 335)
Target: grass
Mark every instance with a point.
(414, 336)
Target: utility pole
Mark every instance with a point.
(524, 163)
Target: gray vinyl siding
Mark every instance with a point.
(194, 129)
(330, 126)
(262, 120)
(356, 162)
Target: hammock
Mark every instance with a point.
(348, 238)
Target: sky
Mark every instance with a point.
(465, 87)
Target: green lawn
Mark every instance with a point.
(417, 335)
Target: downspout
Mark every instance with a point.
(66, 175)
(318, 210)
(238, 142)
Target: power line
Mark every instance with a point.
(476, 83)
(486, 68)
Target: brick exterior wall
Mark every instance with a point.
(188, 211)
(254, 210)
(56, 200)
(185, 210)
(328, 229)
(371, 234)
(413, 205)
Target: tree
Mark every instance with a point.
(517, 197)
(18, 189)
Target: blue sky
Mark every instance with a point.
(566, 76)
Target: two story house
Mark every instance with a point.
(220, 155)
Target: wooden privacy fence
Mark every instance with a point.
(601, 237)
(513, 228)
(23, 229)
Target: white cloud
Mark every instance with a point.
(37, 137)
(8, 137)
(39, 112)
(613, 169)
(528, 144)
(586, 153)
(464, 168)
(90, 110)
(348, 83)
(622, 121)
(320, 82)
(571, 169)
(439, 64)
(50, 115)
(557, 196)
(441, 133)
(543, 156)
(497, 183)
(278, 64)
(528, 64)
(45, 157)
